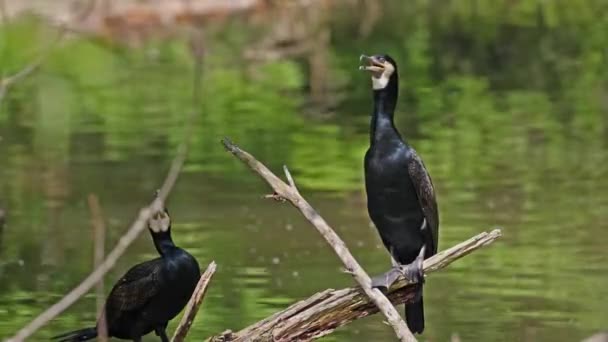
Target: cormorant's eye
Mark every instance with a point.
(381, 59)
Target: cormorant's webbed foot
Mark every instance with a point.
(413, 272)
(384, 281)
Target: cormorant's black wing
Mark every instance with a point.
(426, 197)
(134, 289)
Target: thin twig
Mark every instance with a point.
(291, 194)
(99, 238)
(330, 309)
(289, 178)
(194, 304)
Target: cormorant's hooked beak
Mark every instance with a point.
(371, 63)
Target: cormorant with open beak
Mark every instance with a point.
(400, 195)
(150, 294)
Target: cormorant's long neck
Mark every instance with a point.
(163, 242)
(385, 101)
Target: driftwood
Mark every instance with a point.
(289, 192)
(325, 311)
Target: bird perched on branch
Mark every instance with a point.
(400, 195)
(150, 294)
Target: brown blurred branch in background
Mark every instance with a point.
(290, 193)
(99, 237)
(194, 304)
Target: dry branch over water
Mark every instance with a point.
(323, 312)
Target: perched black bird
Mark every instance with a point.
(400, 196)
(150, 294)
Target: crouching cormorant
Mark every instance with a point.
(150, 294)
(400, 195)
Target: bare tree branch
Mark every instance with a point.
(291, 194)
(99, 239)
(194, 304)
(328, 310)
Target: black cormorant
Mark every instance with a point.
(400, 196)
(150, 294)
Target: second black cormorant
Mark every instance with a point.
(400, 194)
(150, 294)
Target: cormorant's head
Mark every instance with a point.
(160, 222)
(382, 67)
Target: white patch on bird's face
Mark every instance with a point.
(159, 222)
(381, 81)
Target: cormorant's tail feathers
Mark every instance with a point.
(77, 335)
(414, 316)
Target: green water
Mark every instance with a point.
(505, 101)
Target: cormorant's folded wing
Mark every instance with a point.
(136, 287)
(426, 197)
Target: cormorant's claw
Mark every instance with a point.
(413, 272)
(384, 281)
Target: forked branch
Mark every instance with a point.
(290, 193)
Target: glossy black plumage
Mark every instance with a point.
(400, 193)
(150, 294)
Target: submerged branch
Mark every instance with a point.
(323, 312)
(290, 193)
(194, 304)
(99, 238)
